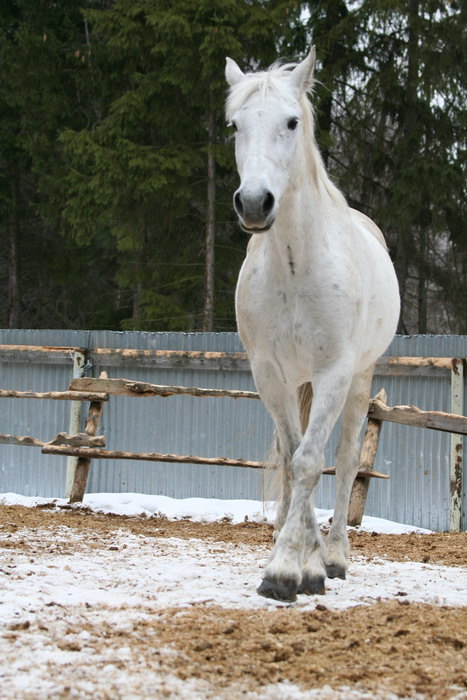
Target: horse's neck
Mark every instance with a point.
(308, 217)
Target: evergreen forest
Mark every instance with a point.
(117, 168)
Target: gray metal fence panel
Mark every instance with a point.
(23, 469)
(416, 459)
(210, 427)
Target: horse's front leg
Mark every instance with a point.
(296, 563)
(281, 401)
(347, 463)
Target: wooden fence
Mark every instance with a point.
(81, 448)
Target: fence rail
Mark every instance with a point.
(97, 392)
(128, 387)
(197, 359)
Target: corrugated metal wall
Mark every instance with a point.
(416, 459)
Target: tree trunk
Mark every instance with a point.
(208, 310)
(422, 284)
(334, 11)
(409, 146)
(13, 261)
(136, 309)
(401, 267)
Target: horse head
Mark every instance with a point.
(266, 112)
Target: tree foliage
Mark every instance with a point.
(397, 130)
(115, 162)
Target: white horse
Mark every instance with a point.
(317, 301)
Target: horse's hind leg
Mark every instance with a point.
(347, 463)
(279, 487)
(313, 571)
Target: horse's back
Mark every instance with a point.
(381, 289)
(370, 226)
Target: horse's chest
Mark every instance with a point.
(286, 323)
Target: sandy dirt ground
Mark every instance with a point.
(449, 548)
(386, 650)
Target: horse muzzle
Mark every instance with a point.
(255, 229)
(255, 211)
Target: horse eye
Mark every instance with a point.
(292, 124)
(232, 125)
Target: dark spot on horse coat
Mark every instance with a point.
(291, 262)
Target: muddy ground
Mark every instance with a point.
(392, 647)
(449, 548)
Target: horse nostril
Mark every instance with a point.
(238, 203)
(268, 203)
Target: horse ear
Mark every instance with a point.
(302, 75)
(233, 74)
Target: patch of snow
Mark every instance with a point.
(198, 509)
(156, 573)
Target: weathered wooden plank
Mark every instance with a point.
(78, 440)
(128, 387)
(386, 366)
(170, 359)
(84, 461)
(57, 395)
(194, 359)
(456, 450)
(74, 423)
(369, 473)
(93, 453)
(413, 366)
(38, 353)
(25, 440)
(411, 415)
(367, 460)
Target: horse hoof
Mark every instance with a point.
(312, 585)
(278, 589)
(335, 571)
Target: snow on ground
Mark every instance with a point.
(158, 573)
(63, 585)
(201, 509)
(161, 572)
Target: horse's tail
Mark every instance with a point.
(305, 396)
(275, 460)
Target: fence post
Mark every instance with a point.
(455, 455)
(75, 421)
(367, 460)
(84, 463)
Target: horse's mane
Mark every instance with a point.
(272, 79)
(261, 82)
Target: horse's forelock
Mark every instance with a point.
(261, 82)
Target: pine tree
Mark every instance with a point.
(116, 170)
(156, 173)
(44, 84)
(399, 138)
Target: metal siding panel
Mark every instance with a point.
(186, 425)
(417, 460)
(25, 336)
(25, 469)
